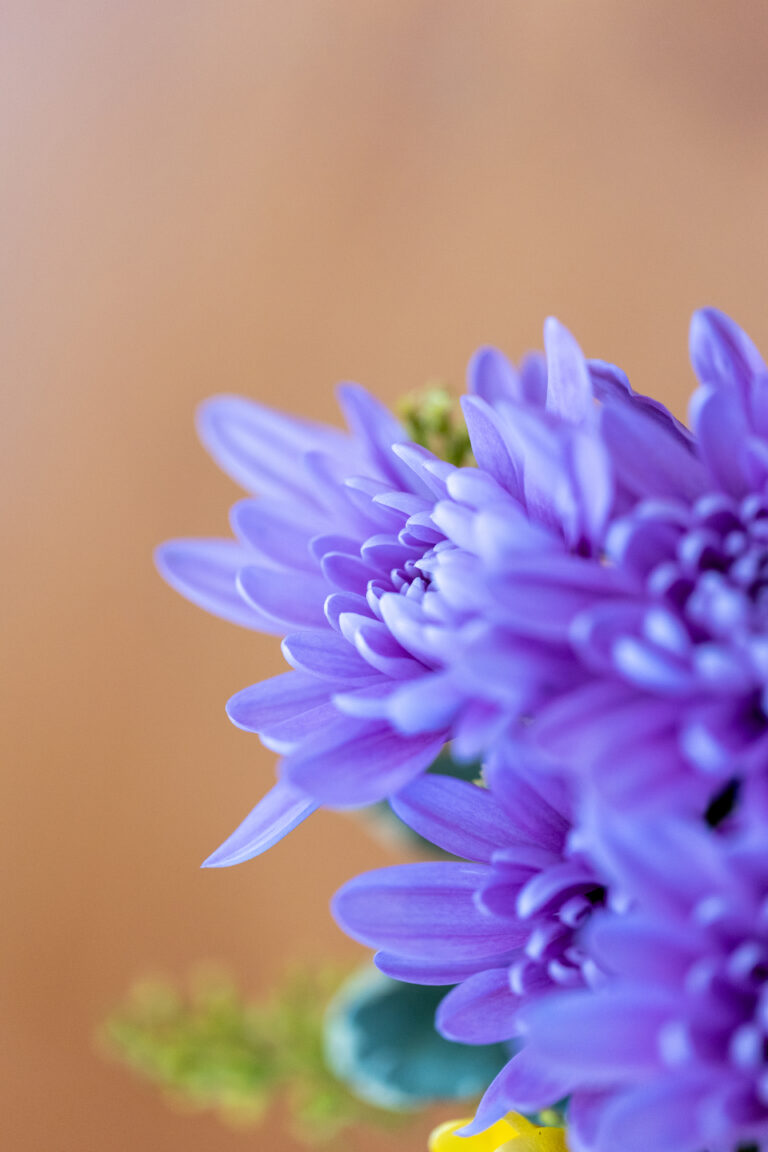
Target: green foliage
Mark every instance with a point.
(381, 1040)
(207, 1047)
(432, 417)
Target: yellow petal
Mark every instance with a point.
(444, 1140)
(512, 1134)
(533, 1138)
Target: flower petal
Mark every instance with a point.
(489, 447)
(355, 762)
(273, 533)
(261, 449)
(425, 704)
(377, 428)
(525, 1083)
(600, 1038)
(569, 386)
(275, 700)
(435, 972)
(722, 428)
(205, 572)
(663, 1115)
(325, 654)
(722, 354)
(281, 810)
(459, 817)
(294, 599)
(481, 1010)
(491, 377)
(423, 910)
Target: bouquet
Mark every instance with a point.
(570, 590)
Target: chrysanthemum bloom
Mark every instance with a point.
(665, 613)
(345, 551)
(512, 1134)
(537, 582)
(671, 1052)
(341, 520)
(503, 924)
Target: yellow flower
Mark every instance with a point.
(512, 1134)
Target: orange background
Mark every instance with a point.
(267, 197)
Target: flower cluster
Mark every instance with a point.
(584, 610)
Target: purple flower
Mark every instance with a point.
(342, 521)
(671, 1051)
(546, 594)
(617, 575)
(503, 924)
(371, 554)
(679, 665)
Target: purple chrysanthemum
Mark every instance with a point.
(503, 924)
(617, 576)
(671, 1051)
(341, 521)
(357, 548)
(587, 611)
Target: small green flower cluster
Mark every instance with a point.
(207, 1047)
(432, 418)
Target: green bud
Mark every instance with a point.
(432, 418)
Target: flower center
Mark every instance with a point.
(718, 579)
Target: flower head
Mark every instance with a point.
(341, 521)
(669, 1052)
(623, 565)
(361, 549)
(503, 924)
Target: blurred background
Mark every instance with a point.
(267, 198)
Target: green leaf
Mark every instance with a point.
(380, 1039)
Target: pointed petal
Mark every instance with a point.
(540, 595)
(646, 950)
(489, 447)
(723, 431)
(375, 427)
(611, 385)
(355, 762)
(598, 1038)
(536, 812)
(722, 354)
(663, 1115)
(205, 572)
(491, 377)
(273, 533)
(524, 1084)
(591, 476)
(324, 653)
(425, 704)
(459, 817)
(649, 458)
(281, 810)
(435, 972)
(569, 387)
(262, 449)
(481, 1010)
(293, 599)
(533, 379)
(291, 734)
(423, 911)
(275, 700)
